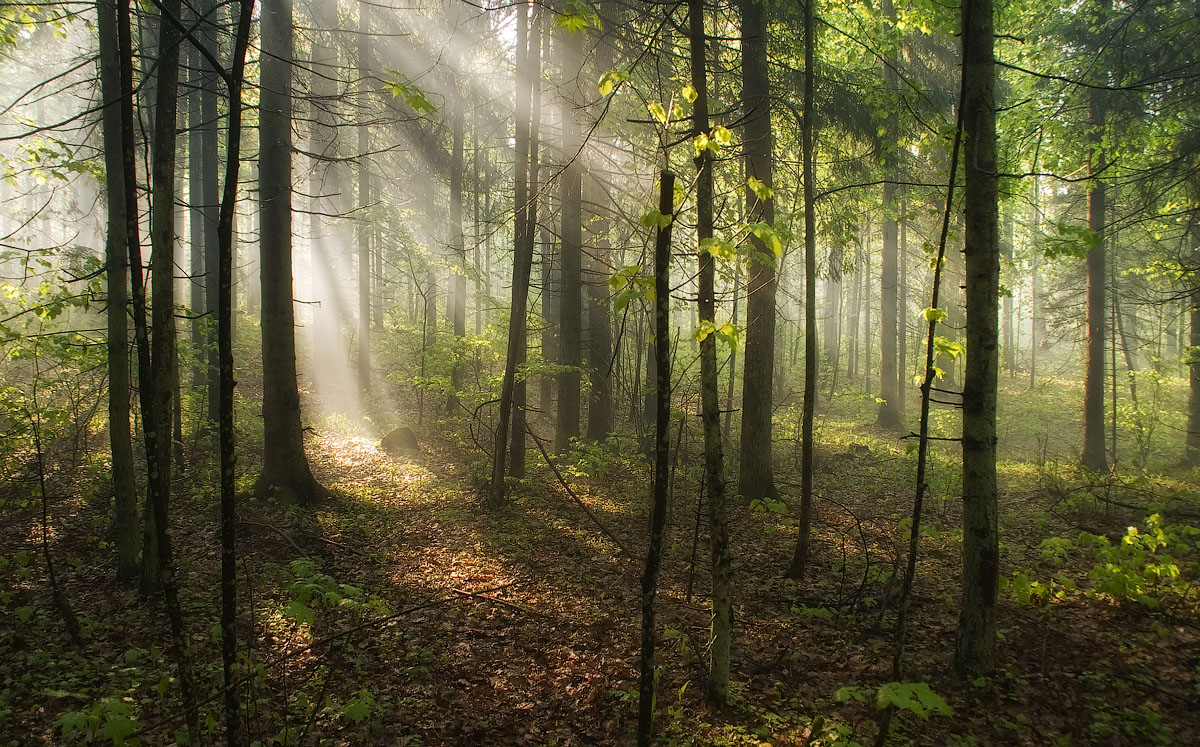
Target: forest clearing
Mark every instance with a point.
(599, 373)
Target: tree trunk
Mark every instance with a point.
(662, 449)
(600, 343)
(125, 529)
(1093, 456)
(1009, 343)
(459, 247)
(1192, 440)
(710, 408)
(232, 701)
(571, 287)
(209, 199)
(891, 413)
(523, 235)
(365, 225)
(162, 351)
(975, 650)
(799, 563)
(522, 264)
(756, 473)
(285, 465)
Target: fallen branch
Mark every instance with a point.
(591, 514)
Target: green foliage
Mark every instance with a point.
(610, 80)
(577, 17)
(414, 97)
(111, 719)
(915, 697)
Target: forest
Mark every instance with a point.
(600, 372)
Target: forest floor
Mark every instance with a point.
(400, 611)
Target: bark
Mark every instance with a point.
(157, 432)
(459, 319)
(1009, 343)
(365, 227)
(285, 465)
(710, 408)
(975, 650)
(756, 474)
(225, 235)
(522, 266)
(1093, 456)
(125, 529)
(571, 286)
(209, 199)
(1192, 438)
(902, 367)
(890, 415)
(662, 447)
(799, 563)
(526, 209)
(600, 343)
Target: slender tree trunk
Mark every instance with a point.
(1192, 439)
(125, 529)
(225, 234)
(522, 264)
(662, 448)
(571, 231)
(1009, 323)
(902, 368)
(366, 226)
(710, 408)
(162, 351)
(799, 563)
(891, 412)
(600, 344)
(756, 473)
(524, 233)
(459, 279)
(285, 465)
(975, 650)
(209, 199)
(1093, 456)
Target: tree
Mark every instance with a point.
(570, 287)
(234, 82)
(976, 639)
(891, 415)
(285, 465)
(163, 368)
(364, 202)
(1093, 456)
(662, 454)
(522, 265)
(756, 472)
(114, 59)
(799, 562)
(710, 408)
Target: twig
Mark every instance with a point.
(278, 531)
(591, 514)
(506, 603)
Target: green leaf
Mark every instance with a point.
(299, 612)
(689, 93)
(943, 346)
(766, 234)
(932, 314)
(655, 219)
(657, 111)
(912, 696)
(761, 191)
(722, 135)
(700, 143)
(718, 248)
(357, 710)
(609, 81)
